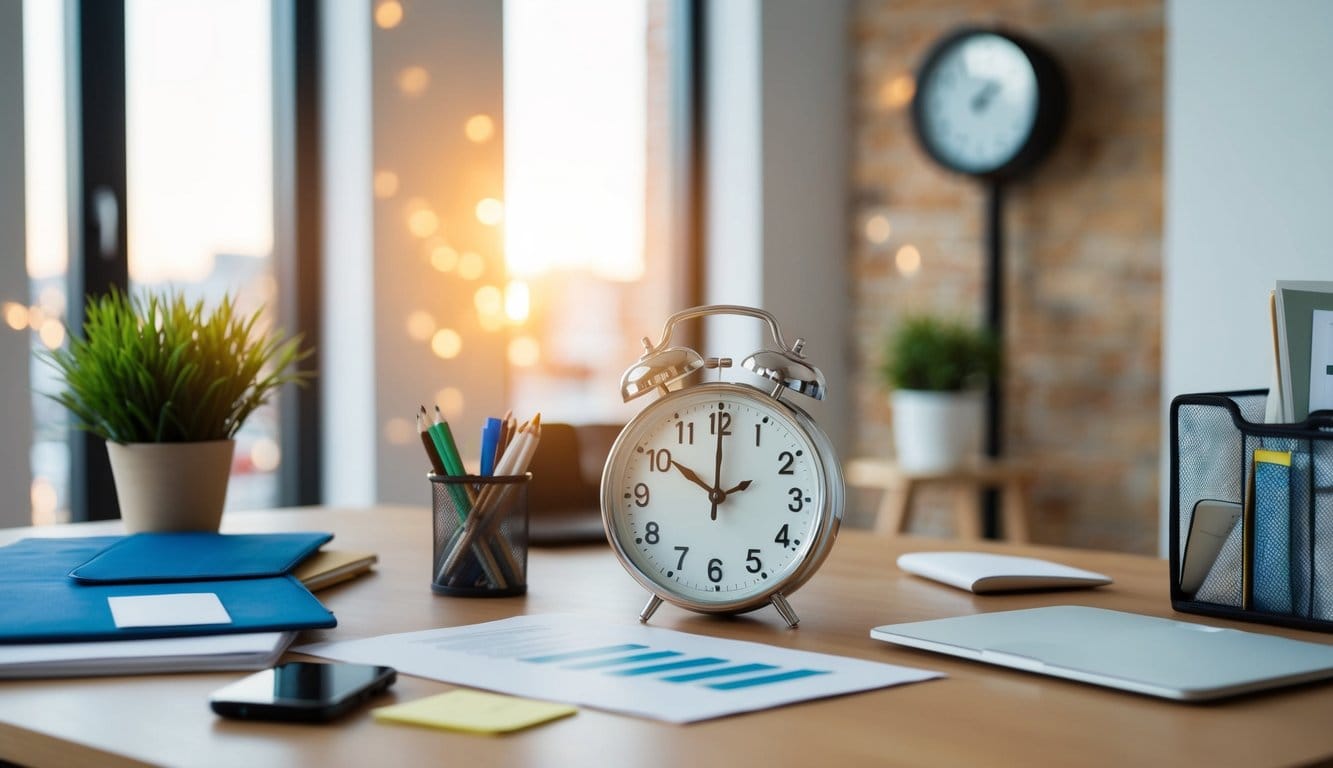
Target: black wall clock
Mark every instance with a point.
(989, 104)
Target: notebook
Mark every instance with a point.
(197, 556)
(39, 602)
(1144, 654)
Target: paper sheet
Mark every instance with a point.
(1321, 360)
(656, 673)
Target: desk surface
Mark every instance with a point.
(979, 715)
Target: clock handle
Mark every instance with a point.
(720, 309)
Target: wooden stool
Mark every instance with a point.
(900, 487)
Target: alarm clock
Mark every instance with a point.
(722, 497)
(988, 103)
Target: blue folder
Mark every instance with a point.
(158, 557)
(40, 603)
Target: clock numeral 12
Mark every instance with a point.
(719, 421)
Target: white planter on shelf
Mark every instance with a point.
(936, 431)
(171, 486)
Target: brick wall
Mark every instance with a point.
(1083, 252)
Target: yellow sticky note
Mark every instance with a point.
(475, 711)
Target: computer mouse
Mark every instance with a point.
(983, 572)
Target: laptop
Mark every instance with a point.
(1144, 654)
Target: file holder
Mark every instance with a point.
(1213, 442)
(481, 535)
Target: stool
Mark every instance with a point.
(900, 487)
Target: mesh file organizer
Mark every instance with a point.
(1281, 549)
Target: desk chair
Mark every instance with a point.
(900, 488)
(564, 497)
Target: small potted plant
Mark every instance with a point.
(936, 371)
(168, 385)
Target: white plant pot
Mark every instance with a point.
(936, 431)
(171, 486)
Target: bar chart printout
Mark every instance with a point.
(656, 673)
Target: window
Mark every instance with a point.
(594, 129)
(199, 161)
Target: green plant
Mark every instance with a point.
(933, 354)
(156, 369)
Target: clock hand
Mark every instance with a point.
(742, 485)
(715, 493)
(691, 475)
(983, 97)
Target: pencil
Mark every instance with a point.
(435, 464)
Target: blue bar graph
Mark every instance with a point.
(624, 660)
(740, 669)
(781, 677)
(585, 653)
(629, 660)
(670, 667)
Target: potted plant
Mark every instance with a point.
(936, 370)
(168, 385)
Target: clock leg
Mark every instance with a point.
(649, 609)
(785, 610)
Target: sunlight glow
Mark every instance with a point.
(517, 301)
(574, 189)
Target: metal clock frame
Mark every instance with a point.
(662, 365)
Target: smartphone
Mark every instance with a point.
(301, 690)
(1210, 526)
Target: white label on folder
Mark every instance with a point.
(177, 610)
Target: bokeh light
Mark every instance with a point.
(386, 184)
(490, 211)
(524, 352)
(446, 343)
(877, 229)
(518, 301)
(16, 315)
(479, 128)
(423, 223)
(52, 333)
(471, 265)
(897, 92)
(444, 258)
(420, 325)
(908, 260)
(265, 454)
(42, 495)
(450, 400)
(388, 14)
(413, 81)
(400, 431)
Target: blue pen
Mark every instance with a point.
(490, 438)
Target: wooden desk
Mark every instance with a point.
(980, 715)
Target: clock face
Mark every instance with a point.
(977, 102)
(717, 496)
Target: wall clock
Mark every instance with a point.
(722, 497)
(988, 103)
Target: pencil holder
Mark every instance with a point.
(481, 535)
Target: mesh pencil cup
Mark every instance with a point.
(481, 535)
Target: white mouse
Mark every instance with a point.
(981, 572)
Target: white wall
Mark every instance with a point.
(777, 183)
(1249, 184)
(15, 410)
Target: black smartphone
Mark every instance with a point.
(301, 690)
